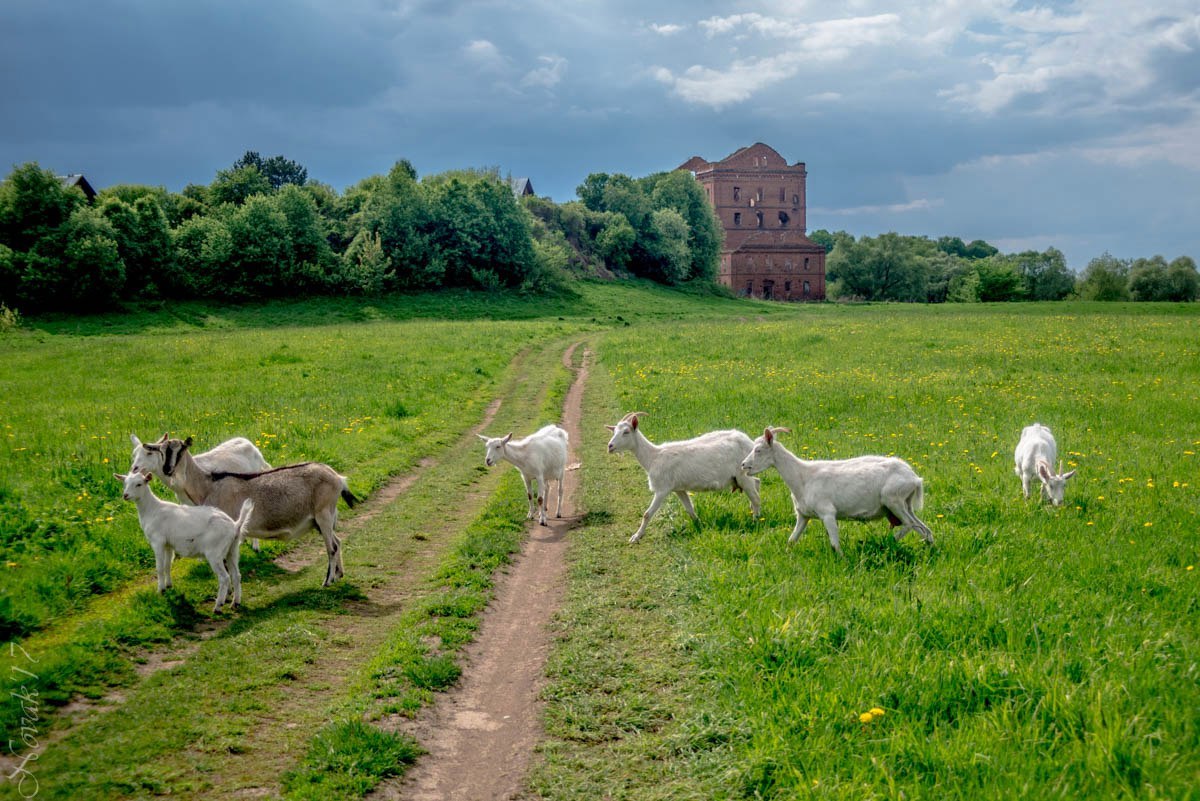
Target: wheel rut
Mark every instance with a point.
(481, 735)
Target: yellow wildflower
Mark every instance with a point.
(866, 717)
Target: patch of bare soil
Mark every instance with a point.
(480, 736)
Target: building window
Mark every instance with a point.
(783, 219)
(759, 214)
(737, 218)
(787, 286)
(796, 200)
(749, 288)
(760, 194)
(806, 264)
(807, 289)
(737, 193)
(782, 194)
(768, 286)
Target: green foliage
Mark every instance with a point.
(348, 759)
(237, 185)
(1105, 278)
(883, 268)
(481, 234)
(999, 280)
(278, 170)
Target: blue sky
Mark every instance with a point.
(1073, 125)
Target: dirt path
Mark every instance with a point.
(480, 736)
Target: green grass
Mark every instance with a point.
(1034, 652)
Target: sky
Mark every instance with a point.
(1073, 125)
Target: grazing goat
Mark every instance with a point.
(288, 501)
(541, 457)
(1033, 458)
(711, 461)
(191, 531)
(237, 455)
(864, 488)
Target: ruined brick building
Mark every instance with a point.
(760, 201)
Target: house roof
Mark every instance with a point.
(77, 179)
(521, 186)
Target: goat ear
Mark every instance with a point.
(1043, 470)
(611, 428)
(482, 437)
(768, 436)
(633, 422)
(134, 439)
(187, 443)
(1069, 475)
(118, 477)
(507, 438)
(164, 438)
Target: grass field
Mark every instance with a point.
(1032, 652)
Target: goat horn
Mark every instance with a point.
(780, 430)
(631, 415)
(1060, 466)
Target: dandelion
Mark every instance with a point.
(1189, 567)
(876, 711)
(1147, 524)
(1090, 523)
(865, 717)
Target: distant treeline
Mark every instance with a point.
(261, 229)
(919, 269)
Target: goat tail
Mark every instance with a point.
(918, 496)
(347, 495)
(243, 519)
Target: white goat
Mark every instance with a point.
(288, 501)
(711, 461)
(541, 458)
(1034, 457)
(863, 488)
(237, 455)
(191, 531)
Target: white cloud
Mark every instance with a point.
(484, 53)
(549, 75)
(920, 204)
(666, 30)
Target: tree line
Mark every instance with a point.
(263, 229)
(919, 269)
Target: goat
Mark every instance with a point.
(863, 488)
(711, 461)
(541, 457)
(191, 531)
(1033, 458)
(237, 455)
(288, 501)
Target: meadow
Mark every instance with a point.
(1032, 652)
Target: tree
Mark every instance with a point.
(1046, 275)
(829, 240)
(310, 259)
(679, 190)
(202, 247)
(33, 205)
(394, 207)
(1105, 278)
(278, 170)
(1148, 279)
(615, 241)
(998, 280)
(365, 266)
(591, 191)
(669, 259)
(1183, 282)
(884, 268)
(237, 185)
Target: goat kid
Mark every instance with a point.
(237, 455)
(540, 457)
(709, 462)
(189, 531)
(1034, 457)
(863, 488)
(289, 501)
